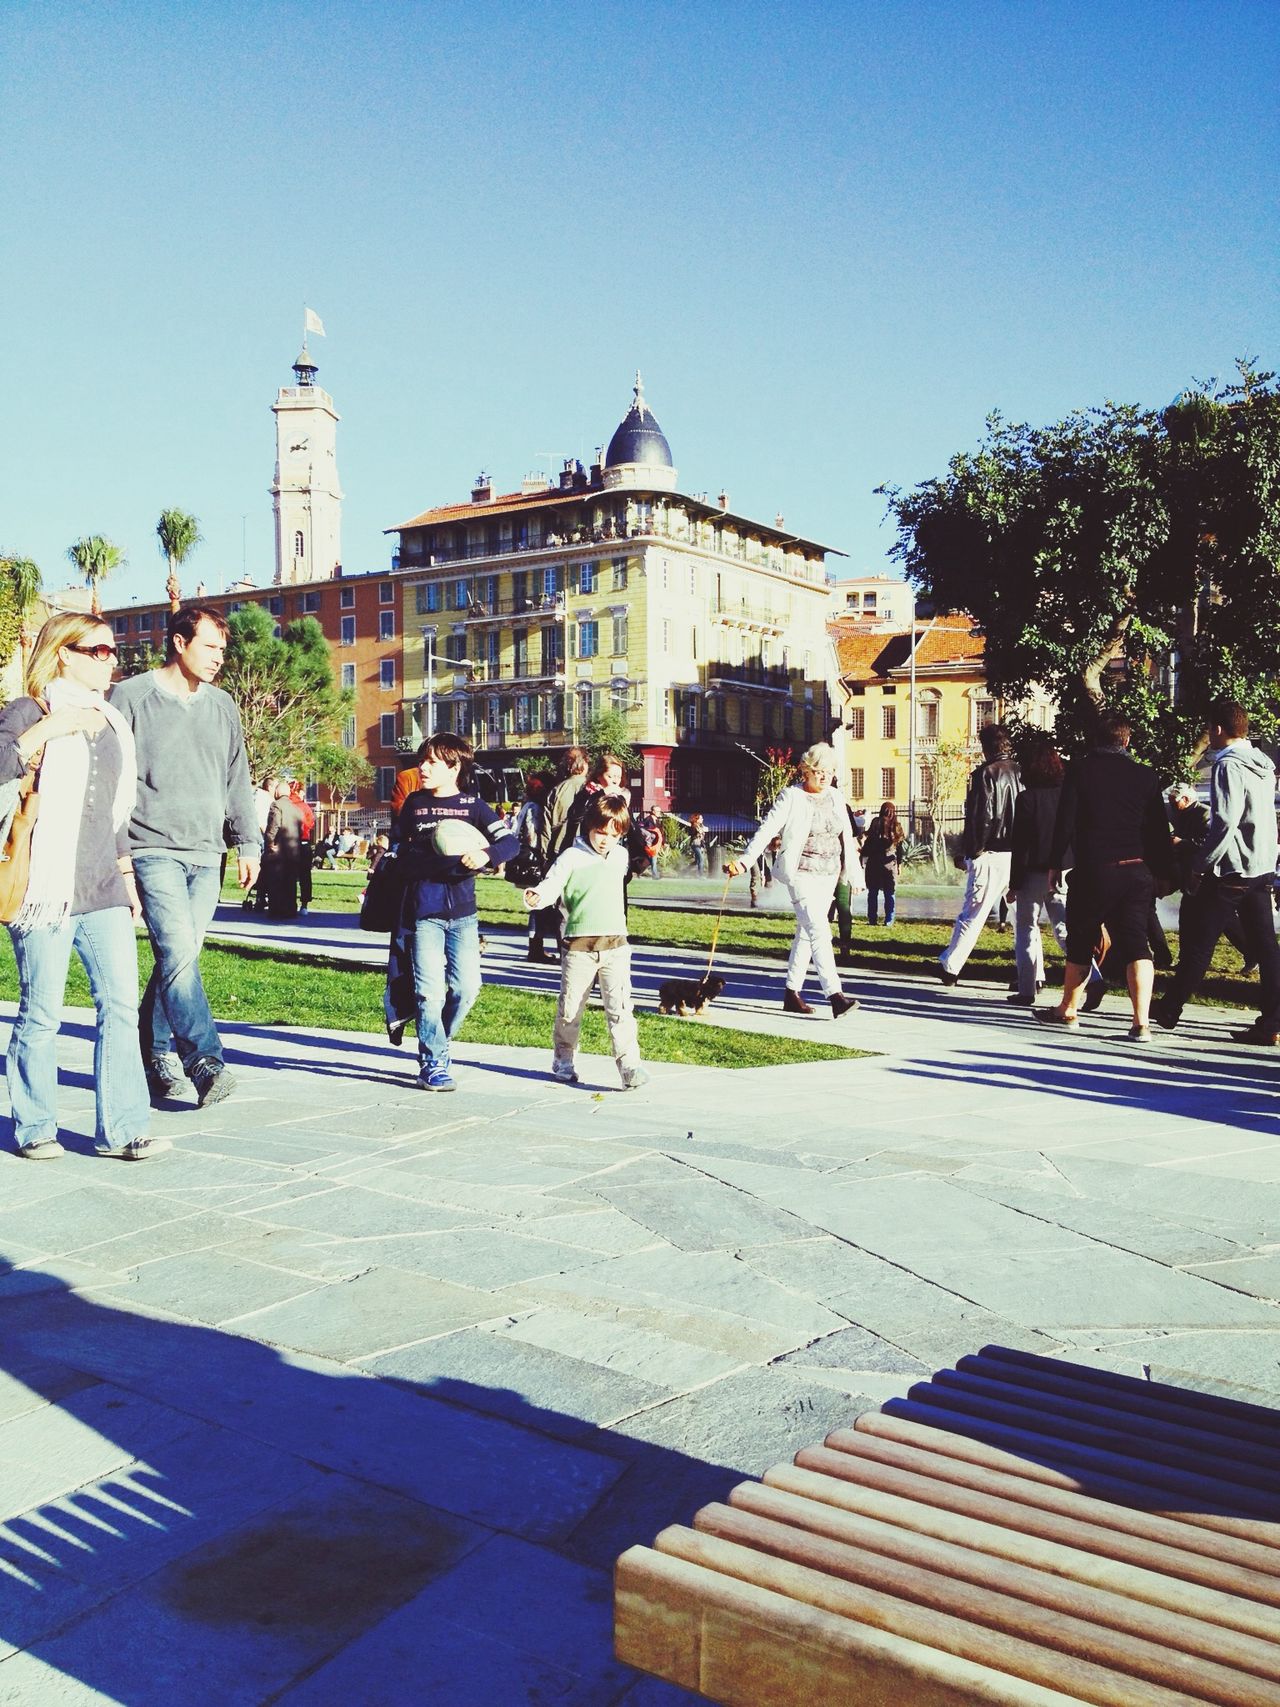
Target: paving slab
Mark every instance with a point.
(528, 1325)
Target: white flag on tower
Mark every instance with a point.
(313, 323)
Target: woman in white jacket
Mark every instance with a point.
(818, 847)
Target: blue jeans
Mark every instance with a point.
(106, 944)
(446, 982)
(178, 903)
(882, 883)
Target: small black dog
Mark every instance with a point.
(685, 996)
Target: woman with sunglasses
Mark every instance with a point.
(81, 890)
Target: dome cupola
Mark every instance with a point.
(638, 453)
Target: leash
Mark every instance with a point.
(715, 934)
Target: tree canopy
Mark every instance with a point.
(19, 592)
(1122, 557)
(290, 707)
(95, 557)
(178, 534)
(606, 732)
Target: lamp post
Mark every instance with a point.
(911, 728)
(430, 657)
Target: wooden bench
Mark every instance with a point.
(1018, 1531)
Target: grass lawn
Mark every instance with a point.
(269, 987)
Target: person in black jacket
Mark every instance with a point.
(1111, 826)
(1034, 814)
(988, 843)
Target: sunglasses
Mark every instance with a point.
(101, 653)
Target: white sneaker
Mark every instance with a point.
(633, 1078)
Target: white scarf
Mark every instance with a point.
(64, 776)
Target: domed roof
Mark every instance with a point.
(639, 439)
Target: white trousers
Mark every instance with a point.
(987, 882)
(811, 897)
(579, 969)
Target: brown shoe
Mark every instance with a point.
(842, 1004)
(794, 1003)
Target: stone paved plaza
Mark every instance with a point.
(354, 1396)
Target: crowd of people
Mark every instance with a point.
(144, 787)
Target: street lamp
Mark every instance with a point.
(430, 657)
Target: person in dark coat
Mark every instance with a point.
(282, 854)
(1111, 827)
(1034, 814)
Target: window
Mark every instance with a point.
(868, 601)
(387, 674)
(120, 624)
(519, 589)
(346, 598)
(387, 729)
(299, 548)
(552, 581)
(386, 625)
(348, 675)
(347, 637)
(666, 637)
(552, 643)
(984, 712)
(619, 574)
(386, 593)
(455, 648)
(312, 791)
(275, 604)
(620, 634)
(457, 595)
(493, 651)
(523, 719)
(926, 781)
(587, 578)
(386, 782)
(927, 720)
(520, 652)
(426, 600)
(693, 582)
(888, 783)
(349, 732)
(144, 622)
(691, 711)
(493, 716)
(857, 782)
(856, 723)
(310, 604)
(588, 639)
(889, 722)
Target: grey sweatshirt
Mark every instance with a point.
(1241, 838)
(195, 795)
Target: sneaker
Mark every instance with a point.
(212, 1080)
(1021, 1001)
(165, 1079)
(137, 1150)
(1138, 1033)
(842, 1004)
(40, 1150)
(633, 1078)
(1051, 1016)
(564, 1071)
(437, 1077)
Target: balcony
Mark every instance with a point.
(761, 678)
(744, 615)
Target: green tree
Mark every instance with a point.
(1123, 556)
(606, 732)
(178, 535)
(339, 769)
(777, 771)
(289, 704)
(95, 558)
(19, 597)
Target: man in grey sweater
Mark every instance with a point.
(1233, 875)
(195, 797)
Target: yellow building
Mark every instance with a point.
(878, 744)
(527, 613)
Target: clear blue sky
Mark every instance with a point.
(833, 237)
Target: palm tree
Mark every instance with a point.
(95, 558)
(179, 534)
(20, 593)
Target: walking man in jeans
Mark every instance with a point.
(1232, 877)
(194, 794)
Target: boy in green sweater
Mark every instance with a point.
(589, 876)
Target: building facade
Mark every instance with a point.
(527, 613)
(888, 755)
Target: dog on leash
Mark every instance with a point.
(685, 996)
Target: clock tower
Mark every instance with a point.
(306, 496)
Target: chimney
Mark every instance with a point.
(723, 500)
(566, 475)
(779, 520)
(482, 490)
